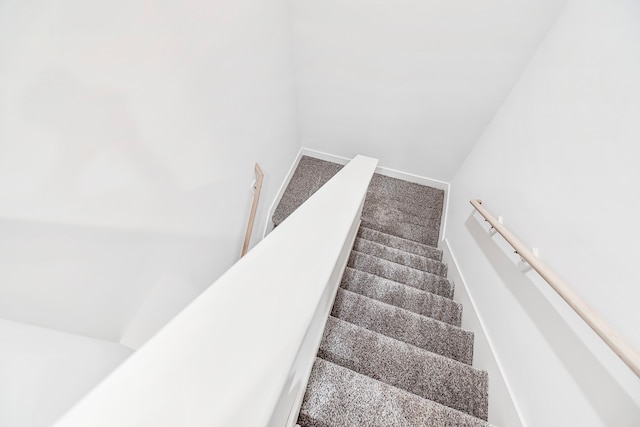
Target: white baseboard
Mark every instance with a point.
(441, 185)
(503, 409)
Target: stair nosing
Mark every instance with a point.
(395, 391)
(440, 263)
(449, 281)
(411, 313)
(445, 300)
(435, 248)
(449, 364)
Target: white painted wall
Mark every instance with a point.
(560, 163)
(413, 83)
(44, 372)
(128, 136)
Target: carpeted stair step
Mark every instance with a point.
(432, 213)
(405, 366)
(404, 325)
(401, 273)
(392, 221)
(396, 190)
(309, 176)
(400, 257)
(406, 211)
(403, 296)
(339, 397)
(400, 243)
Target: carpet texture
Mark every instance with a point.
(405, 366)
(400, 243)
(339, 397)
(400, 257)
(393, 352)
(404, 325)
(401, 273)
(403, 296)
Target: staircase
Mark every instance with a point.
(393, 352)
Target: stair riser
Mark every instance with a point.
(339, 397)
(410, 368)
(400, 243)
(403, 296)
(403, 325)
(387, 224)
(398, 273)
(400, 257)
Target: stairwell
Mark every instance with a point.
(392, 352)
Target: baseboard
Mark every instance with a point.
(503, 409)
(422, 180)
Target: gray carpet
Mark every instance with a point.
(339, 397)
(404, 325)
(405, 366)
(400, 243)
(401, 273)
(400, 257)
(403, 296)
(393, 352)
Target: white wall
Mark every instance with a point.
(560, 163)
(134, 127)
(44, 372)
(413, 83)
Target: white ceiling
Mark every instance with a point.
(413, 83)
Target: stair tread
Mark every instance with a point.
(402, 211)
(390, 225)
(403, 296)
(404, 325)
(400, 243)
(405, 366)
(339, 397)
(400, 257)
(404, 193)
(309, 176)
(400, 273)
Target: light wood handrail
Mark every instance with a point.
(623, 349)
(254, 208)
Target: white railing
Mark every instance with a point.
(241, 353)
(619, 346)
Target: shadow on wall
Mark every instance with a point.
(606, 396)
(93, 127)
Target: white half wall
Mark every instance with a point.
(412, 83)
(142, 121)
(560, 163)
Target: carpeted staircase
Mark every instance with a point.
(393, 352)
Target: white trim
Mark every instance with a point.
(472, 320)
(325, 156)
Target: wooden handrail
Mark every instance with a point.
(254, 208)
(627, 353)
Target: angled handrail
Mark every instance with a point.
(619, 346)
(254, 207)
